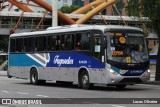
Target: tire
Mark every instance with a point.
(8, 75)
(34, 78)
(84, 80)
(121, 86)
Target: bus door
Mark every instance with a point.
(98, 52)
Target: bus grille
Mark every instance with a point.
(131, 80)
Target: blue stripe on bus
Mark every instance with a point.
(21, 60)
(64, 59)
(73, 59)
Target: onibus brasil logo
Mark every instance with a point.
(59, 61)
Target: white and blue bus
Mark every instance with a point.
(84, 54)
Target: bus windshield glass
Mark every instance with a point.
(127, 47)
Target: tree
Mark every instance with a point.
(150, 9)
(69, 9)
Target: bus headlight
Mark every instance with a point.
(146, 75)
(113, 72)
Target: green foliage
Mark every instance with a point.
(69, 9)
(146, 8)
(132, 8)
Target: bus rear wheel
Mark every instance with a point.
(34, 78)
(84, 80)
(8, 75)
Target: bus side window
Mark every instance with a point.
(40, 43)
(78, 45)
(68, 42)
(62, 42)
(82, 41)
(97, 44)
(57, 42)
(78, 41)
(19, 45)
(85, 41)
(97, 47)
(29, 44)
(12, 45)
(51, 46)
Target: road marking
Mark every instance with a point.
(22, 93)
(6, 92)
(118, 106)
(42, 96)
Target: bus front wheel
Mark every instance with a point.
(34, 78)
(84, 80)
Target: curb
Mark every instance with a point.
(3, 73)
(153, 83)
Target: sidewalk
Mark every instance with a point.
(3, 73)
(151, 82)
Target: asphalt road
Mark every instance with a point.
(19, 88)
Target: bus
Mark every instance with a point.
(113, 55)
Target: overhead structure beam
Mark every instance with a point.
(41, 20)
(48, 7)
(95, 11)
(119, 14)
(98, 4)
(88, 7)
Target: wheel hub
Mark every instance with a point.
(85, 79)
(33, 78)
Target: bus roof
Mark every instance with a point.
(69, 28)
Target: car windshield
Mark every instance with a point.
(128, 48)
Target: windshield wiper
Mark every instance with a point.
(136, 55)
(129, 52)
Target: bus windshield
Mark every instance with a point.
(127, 48)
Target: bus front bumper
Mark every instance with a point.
(118, 79)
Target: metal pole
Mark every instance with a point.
(54, 13)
